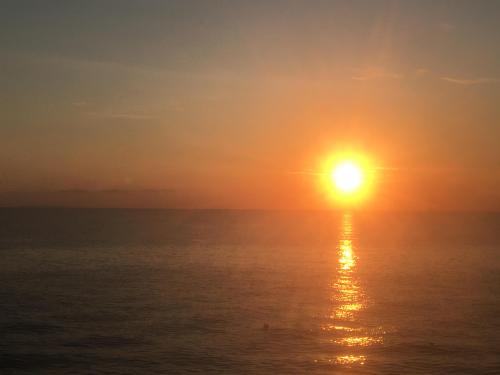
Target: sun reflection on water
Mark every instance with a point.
(349, 300)
(350, 359)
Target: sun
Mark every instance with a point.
(347, 176)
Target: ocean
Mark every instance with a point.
(116, 291)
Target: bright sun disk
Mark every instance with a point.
(347, 176)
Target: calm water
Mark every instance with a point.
(240, 292)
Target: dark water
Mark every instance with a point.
(240, 292)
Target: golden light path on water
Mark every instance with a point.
(349, 300)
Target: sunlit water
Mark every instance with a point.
(240, 292)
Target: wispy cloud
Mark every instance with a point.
(309, 172)
(111, 191)
(374, 73)
(122, 115)
(446, 27)
(323, 173)
(421, 72)
(468, 82)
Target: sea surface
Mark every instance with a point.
(111, 291)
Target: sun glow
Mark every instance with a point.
(346, 178)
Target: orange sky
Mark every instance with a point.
(232, 105)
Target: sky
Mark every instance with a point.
(234, 104)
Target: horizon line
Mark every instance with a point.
(443, 211)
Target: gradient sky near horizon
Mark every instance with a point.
(230, 104)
